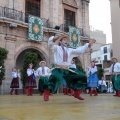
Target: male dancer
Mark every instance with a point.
(44, 72)
(62, 60)
(115, 75)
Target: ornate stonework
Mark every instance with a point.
(70, 2)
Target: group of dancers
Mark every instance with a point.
(50, 79)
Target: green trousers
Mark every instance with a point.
(116, 82)
(42, 84)
(75, 81)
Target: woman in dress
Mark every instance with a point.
(93, 79)
(15, 81)
(30, 82)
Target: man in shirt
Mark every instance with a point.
(62, 60)
(44, 72)
(115, 75)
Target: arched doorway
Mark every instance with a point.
(20, 57)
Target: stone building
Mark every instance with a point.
(115, 24)
(14, 29)
(100, 38)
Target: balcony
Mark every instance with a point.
(65, 28)
(23, 17)
(18, 15)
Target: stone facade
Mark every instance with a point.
(100, 38)
(115, 23)
(15, 39)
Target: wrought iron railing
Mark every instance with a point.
(18, 15)
(65, 28)
(23, 17)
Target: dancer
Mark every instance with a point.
(62, 59)
(30, 82)
(43, 72)
(65, 89)
(73, 65)
(93, 78)
(115, 75)
(15, 81)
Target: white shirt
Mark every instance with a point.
(15, 75)
(73, 66)
(47, 72)
(102, 82)
(58, 52)
(29, 72)
(116, 67)
(92, 70)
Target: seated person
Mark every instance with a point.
(102, 85)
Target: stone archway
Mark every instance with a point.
(29, 46)
(20, 56)
(19, 59)
(41, 49)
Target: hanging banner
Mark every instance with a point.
(74, 35)
(35, 30)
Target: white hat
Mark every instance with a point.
(42, 62)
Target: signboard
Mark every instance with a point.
(35, 30)
(74, 35)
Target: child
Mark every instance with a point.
(30, 82)
(93, 78)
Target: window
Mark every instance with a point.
(69, 19)
(32, 7)
(105, 50)
(105, 57)
(96, 61)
